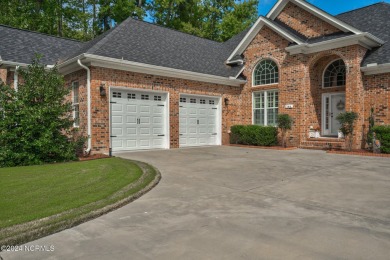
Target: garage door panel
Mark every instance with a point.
(131, 108)
(144, 120)
(131, 143)
(157, 131)
(131, 119)
(158, 120)
(117, 131)
(198, 121)
(144, 143)
(117, 108)
(138, 120)
(117, 143)
(131, 131)
(158, 110)
(144, 109)
(144, 131)
(117, 119)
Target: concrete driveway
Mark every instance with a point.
(238, 203)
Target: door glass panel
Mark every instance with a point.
(337, 107)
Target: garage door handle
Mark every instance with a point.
(214, 108)
(160, 135)
(138, 121)
(198, 122)
(113, 136)
(112, 102)
(214, 134)
(160, 105)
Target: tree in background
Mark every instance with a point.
(213, 19)
(36, 125)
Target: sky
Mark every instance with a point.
(331, 6)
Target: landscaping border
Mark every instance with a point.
(26, 232)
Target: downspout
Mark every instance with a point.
(16, 79)
(89, 123)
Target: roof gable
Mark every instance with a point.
(281, 4)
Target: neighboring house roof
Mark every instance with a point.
(20, 46)
(375, 20)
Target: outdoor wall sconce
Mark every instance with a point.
(226, 101)
(102, 90)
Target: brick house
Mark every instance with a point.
(143, 86)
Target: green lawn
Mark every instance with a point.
(69, 190)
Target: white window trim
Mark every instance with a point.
(265, 105)
(75, 104)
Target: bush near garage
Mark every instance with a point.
(382, 133)
(36, 125)
(254, 135)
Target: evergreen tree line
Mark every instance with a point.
(84, 19)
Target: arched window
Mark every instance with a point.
(335, 74)
(266, 72)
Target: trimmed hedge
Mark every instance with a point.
(383, 135)
(254, 135)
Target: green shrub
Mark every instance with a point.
(347, 121)
(285, 122)
(383, 135)
(36, 125)
(254, 135)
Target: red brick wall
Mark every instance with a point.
(270, 45)
(3, 75)
(304, 22)
(377, 96)
(117, 78)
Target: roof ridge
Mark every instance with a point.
(165, 27)
(350, 11)
(35, 32)
(103, 40)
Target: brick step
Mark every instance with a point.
(323, 144)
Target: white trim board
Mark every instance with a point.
(119, 64)
(255, 30)
(372, 69)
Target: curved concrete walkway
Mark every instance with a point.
(237, 203)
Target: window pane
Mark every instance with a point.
(335, 74)
(258, 115)
(75, 87)
(266, 72)
(76, 115)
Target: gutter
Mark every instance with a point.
(89, 123)
(374, 68)
(16, 78)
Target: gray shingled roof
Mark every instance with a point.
(147, 43)
(375, 20)
(21, 46)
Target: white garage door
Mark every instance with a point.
(138, 120)
(199, 121)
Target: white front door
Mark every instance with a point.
(199, 121)
(332, 105)
(138, 120)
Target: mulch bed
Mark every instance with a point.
(263, 147)
(359, 152)
(93, 157)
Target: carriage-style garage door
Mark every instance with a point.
(138, 120)
(199, 121)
